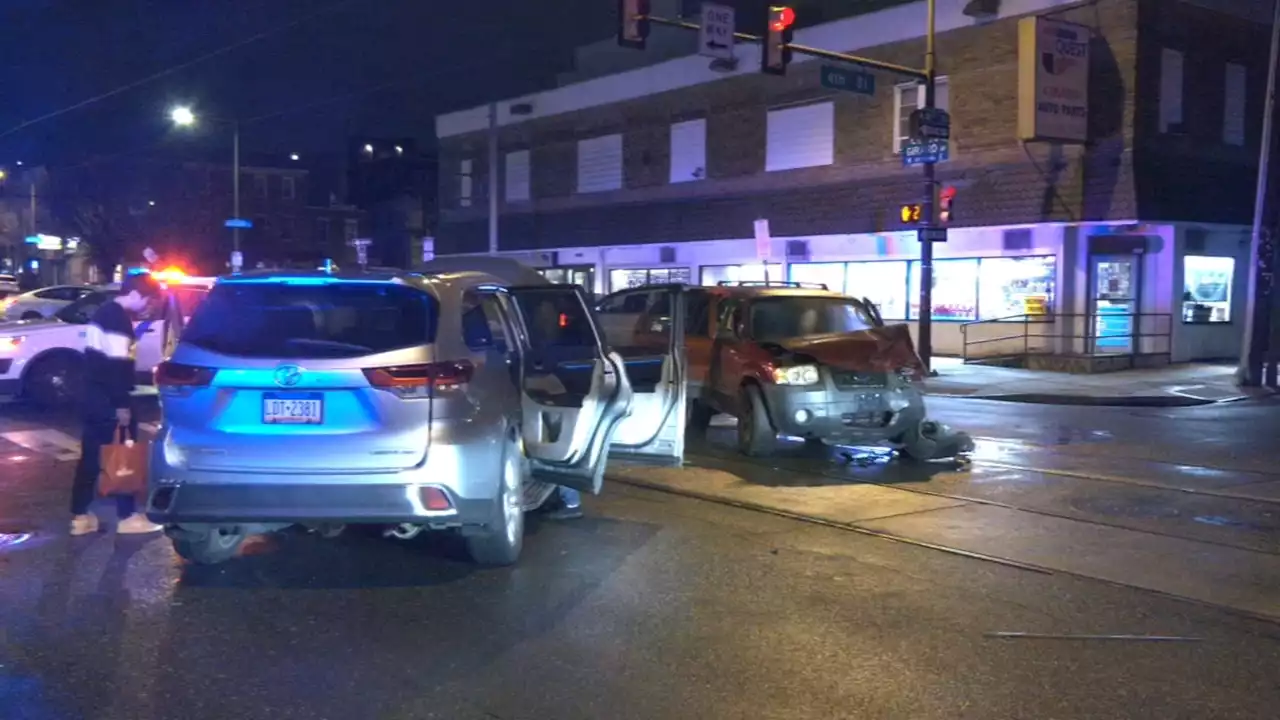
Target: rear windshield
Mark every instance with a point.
(332, 320)
(780, 318)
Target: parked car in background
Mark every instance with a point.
(42, 303)
(8, 285)
(40, 360)
(789, 360)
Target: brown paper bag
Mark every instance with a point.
(124, 464)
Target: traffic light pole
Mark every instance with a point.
(929, 206)
(631, 34)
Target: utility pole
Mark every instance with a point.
(924, 326)
(493, 178)
(1255, 355)
(33, 203)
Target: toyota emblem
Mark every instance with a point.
(288, 375)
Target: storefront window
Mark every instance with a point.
(829, 274)
(622, 279)
(883, 283)
(955, 289)
(1011, 287)
(750, 272)
(1206, 288)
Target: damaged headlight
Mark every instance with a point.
(797, 375)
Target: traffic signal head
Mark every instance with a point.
(775, 54)
(633, 23)
(945, 200)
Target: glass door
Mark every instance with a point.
(1113, 303)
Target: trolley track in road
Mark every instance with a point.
(728, 460)
(712, 455)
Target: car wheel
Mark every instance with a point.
(206, 547)
(53, 381)
(501, 543)
(700, 415)
(31, 315)
(756, 436)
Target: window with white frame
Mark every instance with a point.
(517, 176)
(350, 229)
(600, 164)
(689, 150)
(1234, 105)
(800, 137)
(288, 189)
(909, 97)
(260, 185)
(1171, 90)
(465, 168)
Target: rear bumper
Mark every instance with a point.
(870, 415)
(464, 463)
(298, 503)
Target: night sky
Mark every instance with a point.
(381, 67)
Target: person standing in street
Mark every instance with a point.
(109, 350)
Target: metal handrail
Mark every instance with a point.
(1088, 335)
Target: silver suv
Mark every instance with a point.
(453, 399)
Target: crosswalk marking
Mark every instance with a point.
(54, 443)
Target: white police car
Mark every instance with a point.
(40, 360)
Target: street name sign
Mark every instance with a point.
(925, 152)
(856, 81)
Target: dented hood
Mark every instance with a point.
(883, 349)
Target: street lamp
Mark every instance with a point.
(183, 116)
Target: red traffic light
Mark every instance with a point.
(781, 18)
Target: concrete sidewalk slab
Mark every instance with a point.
(1180, 385)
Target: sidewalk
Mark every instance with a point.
(1171, 386)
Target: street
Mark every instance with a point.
(1073, 525)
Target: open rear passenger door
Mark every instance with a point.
(645, 328)
(573, 394)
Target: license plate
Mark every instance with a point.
(292, 408)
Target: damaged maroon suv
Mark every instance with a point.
(786, 359)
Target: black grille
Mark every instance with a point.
(851, 379)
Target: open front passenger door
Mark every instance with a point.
(573, 393)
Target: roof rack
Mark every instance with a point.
(773, 283)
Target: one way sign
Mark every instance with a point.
(715, 38)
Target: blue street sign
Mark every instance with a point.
(925, 152)
(858, 81)
(240, 223)
(932, 234)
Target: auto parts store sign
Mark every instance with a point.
(1053, 80)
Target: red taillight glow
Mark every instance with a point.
(171, 374)
(436, 375)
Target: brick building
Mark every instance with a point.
(1132, 242)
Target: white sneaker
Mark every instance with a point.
(137, 524)
(84, 524)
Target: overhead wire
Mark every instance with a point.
(332, 7)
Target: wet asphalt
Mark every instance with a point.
(661, 606)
